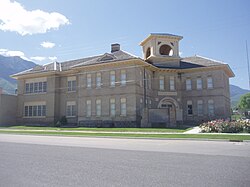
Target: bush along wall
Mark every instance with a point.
(222, 126)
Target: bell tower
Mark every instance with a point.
(162, 49)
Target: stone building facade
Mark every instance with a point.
(118, 89)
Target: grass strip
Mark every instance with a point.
(177, 136)
(103, 129)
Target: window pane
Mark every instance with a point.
(40, 87)
(112, 78)
(98, 107)
(34, 110)
(88, 107)
(26, 111)
(209, 82)
(199, 83)
(43, 110)
(27, 87)
(188, 84)
(89, 81)
(30, 110)
(31, 88)
(123, 77)
(35, 87)
(112, 107)
(172, 84)
(199, 107)
(39, 110)
(98, 80)
(161, 82)
(123, 107)
(44, 86)
(69, 86)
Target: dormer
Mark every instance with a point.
(162, 49)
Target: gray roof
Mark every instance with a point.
(63, 66)
(194, 62)
(164, 34)
(107, 58)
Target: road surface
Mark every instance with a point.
(27, 160)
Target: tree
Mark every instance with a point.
(244, 103)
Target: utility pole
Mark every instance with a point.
(248, 65)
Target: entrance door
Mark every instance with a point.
(170, 112)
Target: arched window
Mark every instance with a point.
(166, 50)
(148, 53)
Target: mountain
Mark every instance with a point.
(235, 93)
(9, 66)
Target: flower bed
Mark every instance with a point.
(222, 126)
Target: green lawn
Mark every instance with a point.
(178, 136)
(180, 130)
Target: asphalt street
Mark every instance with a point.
(78, 161)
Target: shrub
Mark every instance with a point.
(64, 120)
(222, 126)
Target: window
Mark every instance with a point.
(27, 88)
(210, 107)
(98, 107)
(210, 83)
(40, 86)
(112, 107)
(200, 107)
(31, 88)
(39, 110)
(44, 86)
(98, 80)
(112, 78)
(26, 111)
(172, 84)
(199, 83)
(36, 87)
(189, 108)
(141, 79)
(88, 80)
(123, 77)
(71, 85)
(88, 108)
(123, 107)
(161, 82)
(188, 84)
(148, 53)
(71, 109)
(34, 110)
(166, 50)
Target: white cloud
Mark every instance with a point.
(38, 58)
(48, 44)
(6, 52)
(180, 53)
(53, 58)
(14, 17)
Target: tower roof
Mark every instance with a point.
(162, 35)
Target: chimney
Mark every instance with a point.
(115, 47)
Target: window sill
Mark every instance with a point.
(70, 116)
(32, 117)
(35, 93)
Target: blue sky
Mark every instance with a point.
(64, 30)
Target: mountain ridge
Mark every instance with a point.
(9, 66)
